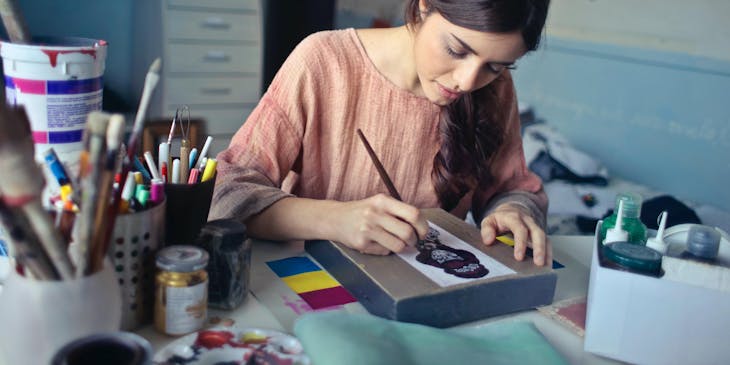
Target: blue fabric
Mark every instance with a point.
(338, 337)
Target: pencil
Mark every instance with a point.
(385, 178)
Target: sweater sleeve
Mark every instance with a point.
(264, 150)
(513, 182)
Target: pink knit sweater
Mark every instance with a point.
(301, 139)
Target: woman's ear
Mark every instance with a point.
(423, 8)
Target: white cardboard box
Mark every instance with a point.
(648, 320)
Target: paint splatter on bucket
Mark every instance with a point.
(59, 81)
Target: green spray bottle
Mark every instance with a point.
(630, 222)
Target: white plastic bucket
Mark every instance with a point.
(59, 81)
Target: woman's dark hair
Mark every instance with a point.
(471, 127)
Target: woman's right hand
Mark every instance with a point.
(377, 225)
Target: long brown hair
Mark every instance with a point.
(471, 129)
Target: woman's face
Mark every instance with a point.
(451, 60)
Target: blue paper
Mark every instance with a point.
(338, 337)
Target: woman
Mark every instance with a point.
(436, 101)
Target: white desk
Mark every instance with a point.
(266, 309)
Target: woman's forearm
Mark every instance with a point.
(294, 219)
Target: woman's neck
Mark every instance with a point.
(391, 51)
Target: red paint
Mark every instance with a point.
(53, 54)
(213, 339)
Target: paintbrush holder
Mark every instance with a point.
(187, 211)
(37, 318)
(135, 240)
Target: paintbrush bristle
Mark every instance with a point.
(115, 132)
(14, 123)
(97, 123)
(155, 66)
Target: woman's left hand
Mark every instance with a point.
(526, 232)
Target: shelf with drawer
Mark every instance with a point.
(211, 58)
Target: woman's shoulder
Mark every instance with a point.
(326, 44)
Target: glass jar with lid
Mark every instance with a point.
(181, 289)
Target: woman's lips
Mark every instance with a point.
(448, 93)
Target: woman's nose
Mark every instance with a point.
(467, 77)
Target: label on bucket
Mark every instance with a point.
(57, 109)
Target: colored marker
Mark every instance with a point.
(163, 154)
(209, 169)
(140, 167)
(176, 171)
(204, 152)
(193, 178)
(193, 157)
(151, 163)
(56, 167)
(157, 191)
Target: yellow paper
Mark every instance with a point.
(309, 281)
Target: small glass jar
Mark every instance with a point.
(181, 289)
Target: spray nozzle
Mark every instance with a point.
(657, 242)
(617, 233)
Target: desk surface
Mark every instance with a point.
(273, 305)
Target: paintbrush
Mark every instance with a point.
(22, 184)
(93, 158)
(27, 250)
(14, 22)
(386, 179)
(150, 82)
(105, 213)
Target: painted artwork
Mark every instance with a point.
(461, 263)
(447, 260)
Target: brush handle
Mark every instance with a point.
(14, 22)
(379, 166)
(386, 179)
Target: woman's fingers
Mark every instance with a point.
(525, 231)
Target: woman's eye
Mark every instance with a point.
(497, 68)
(453, 53)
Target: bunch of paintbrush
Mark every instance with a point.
(99, 163)
(37, 243)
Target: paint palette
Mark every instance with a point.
(232, 345)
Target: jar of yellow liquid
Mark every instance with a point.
(181, 289)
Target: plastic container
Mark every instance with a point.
(135, 240)
(59, 81)
(631, 218)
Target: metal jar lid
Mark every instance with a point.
(634, 257)
(182, 258)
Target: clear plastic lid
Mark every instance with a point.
(703, 241)
(632, 204)
(182, 258)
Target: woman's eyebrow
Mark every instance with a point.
(471, 50)
(464, 44)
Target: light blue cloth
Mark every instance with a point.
(341, 338)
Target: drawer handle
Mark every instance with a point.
(216, 56)
(216, 23)
(216, 90)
